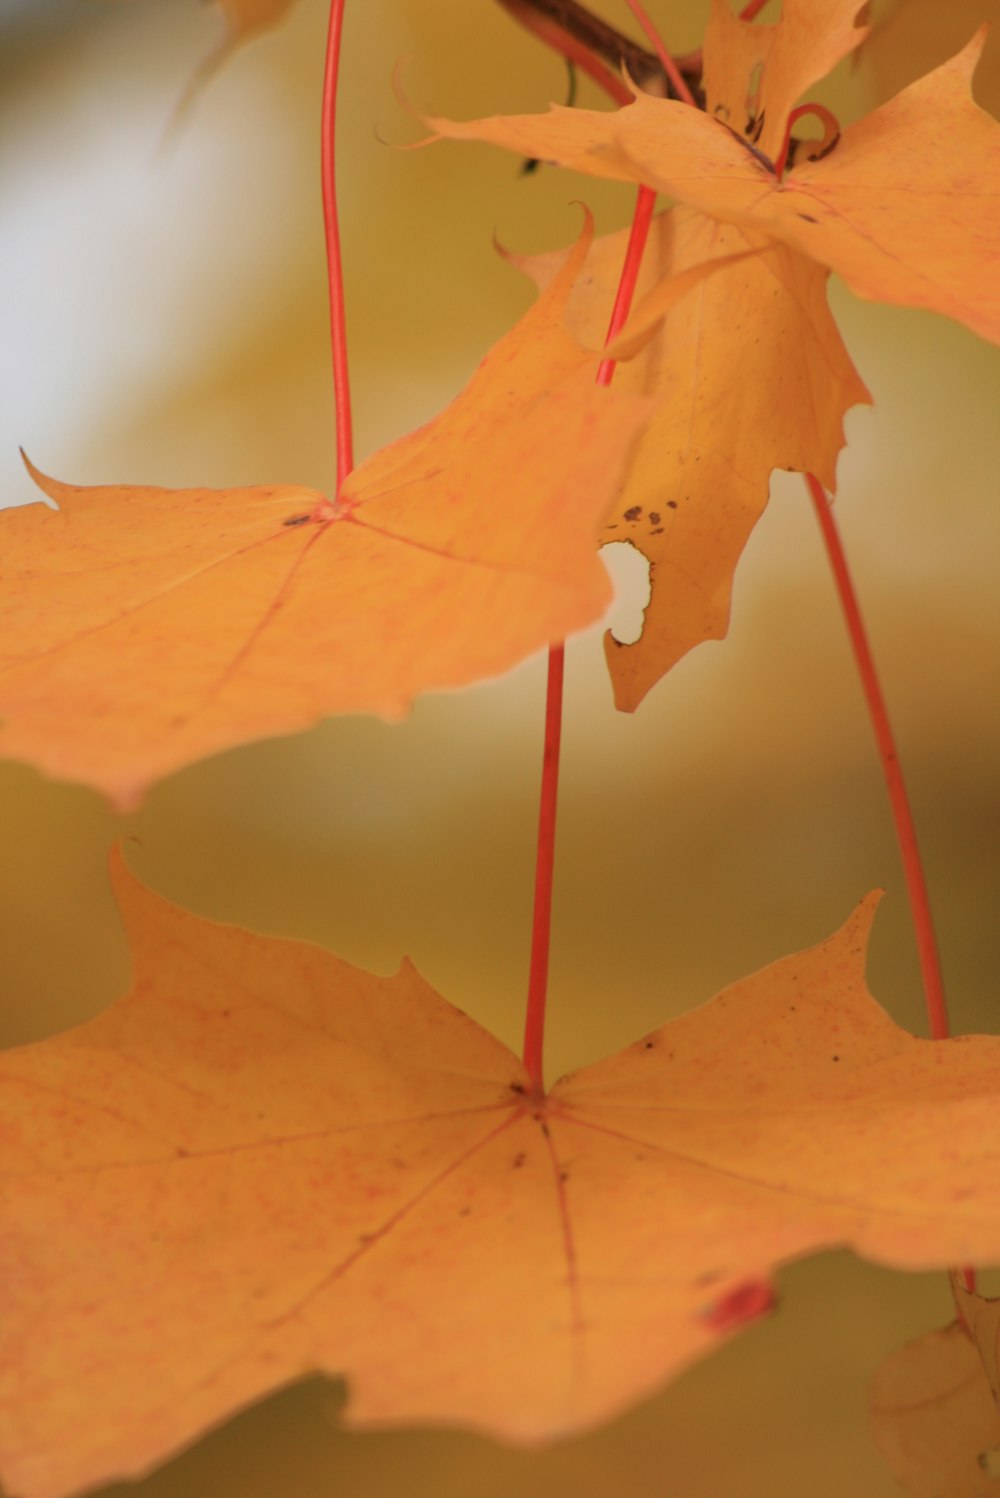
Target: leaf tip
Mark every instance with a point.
(50, 487)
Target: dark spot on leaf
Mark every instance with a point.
(465, 1211)
(836, 1058)
(671, 504)
(633, 512)
(517, 1087)
(654, 517)
(564, 1174)
(545, 1128)
(296, 520)
(746, 1303)
(519, 1160)
(649, 1045)
(809, 218)
(657, 532)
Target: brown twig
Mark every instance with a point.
(603, 41)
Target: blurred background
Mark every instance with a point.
(165, 322)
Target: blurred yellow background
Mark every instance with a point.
(164, 316)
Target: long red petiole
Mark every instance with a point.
(899, 801)
(541, 928)
(906, 835)
(335, 267)
(541, 921)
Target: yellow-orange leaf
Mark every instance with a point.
(904, 206)
(749, 374)
(755, 73)
(933, 1418)
(142, 628)
(264, 1162)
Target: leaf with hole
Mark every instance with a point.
(749, 373)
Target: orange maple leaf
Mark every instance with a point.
(264, 1162)
(751, 373)
(902, 204)
(143, 628)
(736, 396)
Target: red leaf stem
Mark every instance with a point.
(831, 133)
(335, 267)
(670, 67)
(538, 977)
(541, 924)
(906, 836)
(641, 219)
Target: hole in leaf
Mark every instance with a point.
(629, 571)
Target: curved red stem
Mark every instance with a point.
(906, 834)
(335, 267)
(831, 126)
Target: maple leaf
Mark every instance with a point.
(143, 628)
(934, 1403)
(902, 204)
(264, 1162)
(735, 398)
(933, 1416)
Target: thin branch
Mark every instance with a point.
(601, 41)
